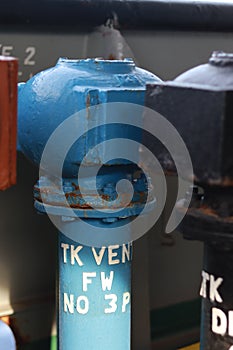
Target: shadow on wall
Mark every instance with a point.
(28, 259)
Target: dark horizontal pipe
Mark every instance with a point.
(131, 14)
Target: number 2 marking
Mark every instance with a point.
(30, 51)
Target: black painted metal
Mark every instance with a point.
(133, 14)
(216, 315)
(199, 103)
(203, 118)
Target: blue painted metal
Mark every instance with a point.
(89, 317)
(55, 94)
(7, 339)
(92, 315)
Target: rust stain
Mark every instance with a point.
(225, 181)
(88, 105)
(88, 100)
(111, 57)
(81, 206)
(207, 211)
(105, 197)
(210, 212)
(170, 172)
(75, 186)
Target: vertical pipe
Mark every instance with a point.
(94, 296)
(8, 123)
(95, 283)
(217, 294)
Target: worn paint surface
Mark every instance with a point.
(47, 191)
